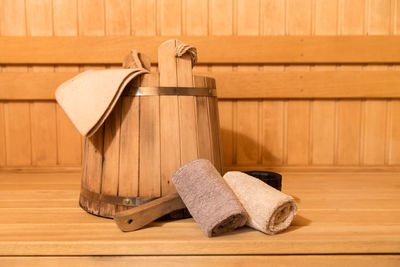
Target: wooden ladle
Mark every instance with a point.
(136, 218)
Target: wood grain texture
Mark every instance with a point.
(65, 18)
(43, 132)
(204, 145)
(394, 133)
(3, 153)
(13, 18)
(143, 15)
(188, 127)
(323, 132)
(91, 18)
(349, 132)
(375, 132)
(226, 131)
(228, 50)
(273, 122)
(326, 17)
(18, 144)
(170, 139)
(118, 17)
(93, 168)
(129, 148)
(196, 20)
(298, 132)
(149, 147)
(170, 16)
(44, 135)
(111, 158)
(247, 133)
(323, 84)
(273, 17)
(358, 214)
(69, 141)
(306, 261)
(221, 25)
(299, 17)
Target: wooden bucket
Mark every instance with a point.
(162, 121)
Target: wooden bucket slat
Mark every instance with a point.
(187, 126)
(203, 124)
(169, 117)
(129, 149)
(110, 174)
(169, 141)
(203, 129)
(187, 111)
(94, 168)
(149, 135)
(83, 202)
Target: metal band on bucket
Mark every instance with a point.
(115, 200)
(185, 91)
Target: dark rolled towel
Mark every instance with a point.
(208, 198)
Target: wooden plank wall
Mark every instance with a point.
(260, 133)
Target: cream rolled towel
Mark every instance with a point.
(270, 211)
(208, 198)
(89, 97)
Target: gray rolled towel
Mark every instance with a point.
(208, 198)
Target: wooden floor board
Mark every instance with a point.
(299, 261)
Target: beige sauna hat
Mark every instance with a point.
(89, 97)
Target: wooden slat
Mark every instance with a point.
(93, 171)
(170, 152)
(149, 142)
(17, 134)
(91, 19)
(31, 85)
(247, 132)
(348, 132)
(43, 131)
(69, 140)
(196, 20)
(394, 133)
(323, 132)
(215, 49)
(298, 132)
(204, 145)
(143, 17)
(273, 84)
(226, 131)
(278, 261)
(129, 148)
(375, 129)
(358, 213)
(110, 173)
(118, 17)
(3, 153)
(298, 17)
(272, 128)
(306, 84)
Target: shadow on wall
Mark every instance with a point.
(240, 149)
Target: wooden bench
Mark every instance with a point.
(345, 217)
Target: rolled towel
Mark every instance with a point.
(269, 210)
(208, 198)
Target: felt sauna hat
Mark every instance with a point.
(89, 97)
